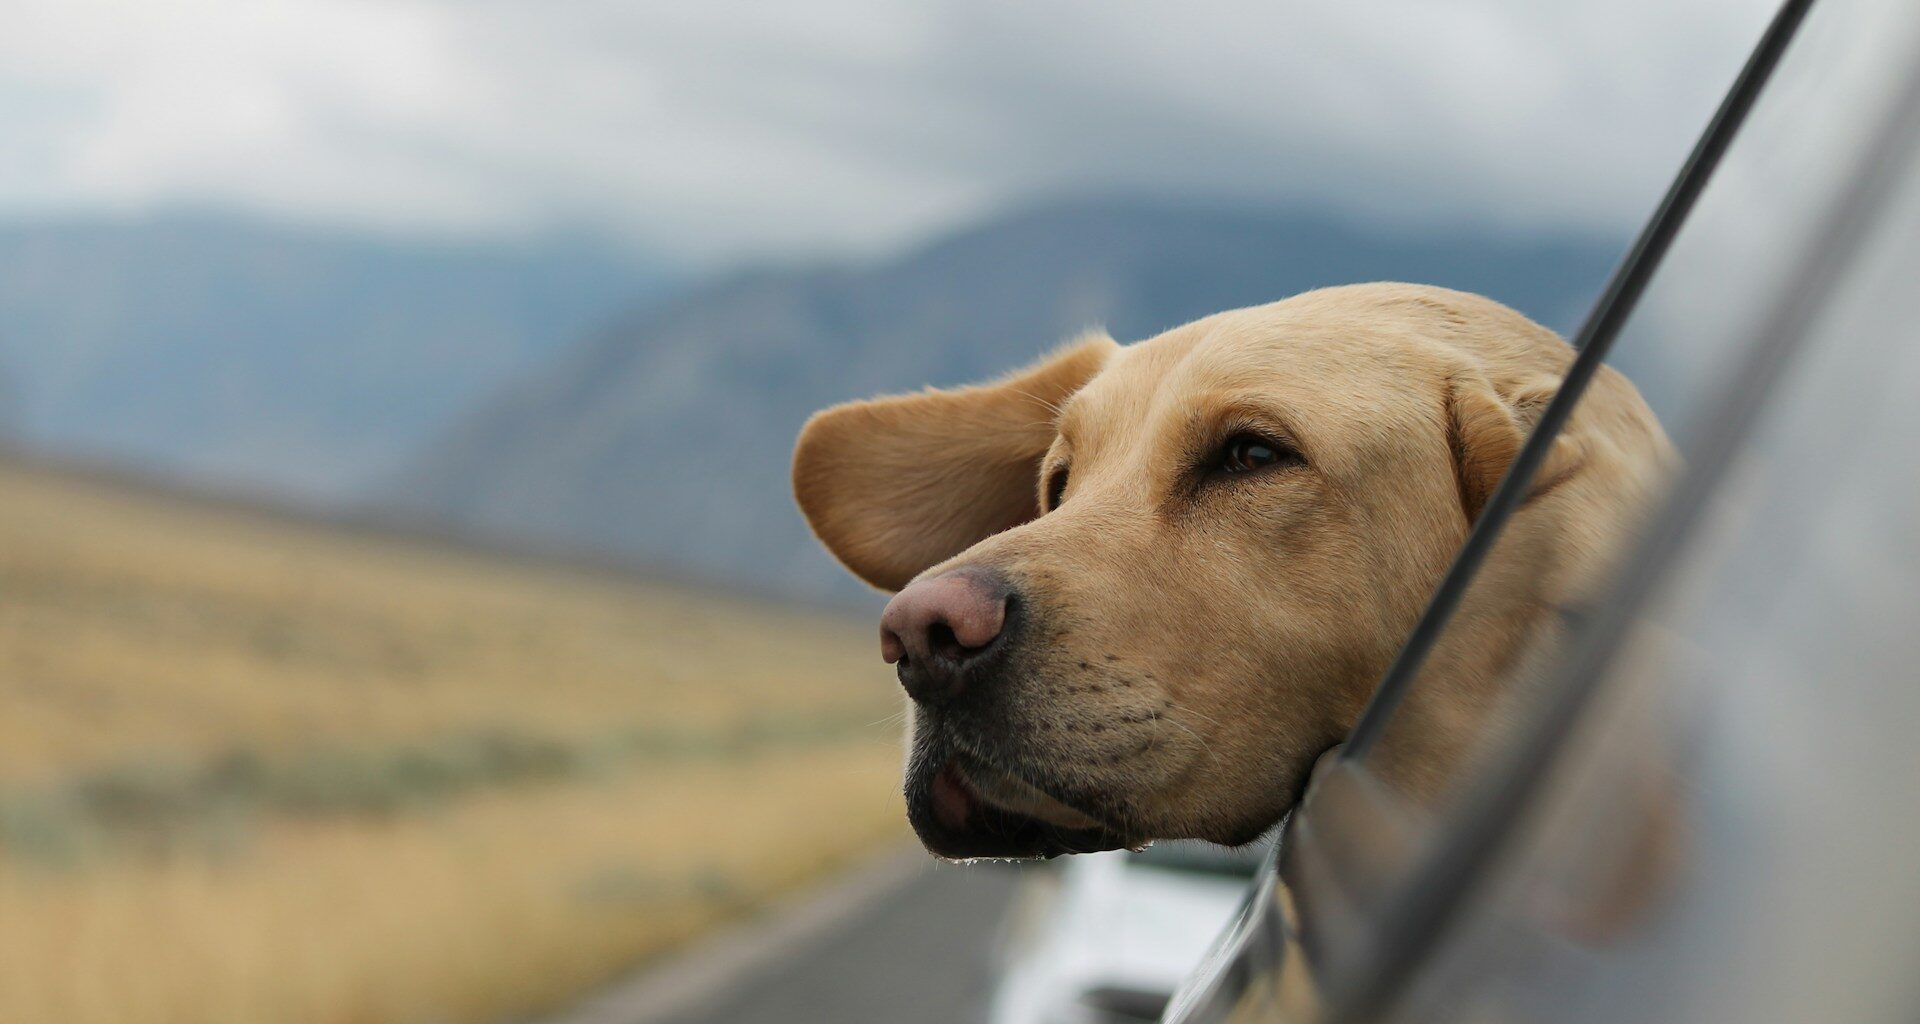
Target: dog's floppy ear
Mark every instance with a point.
(1485, 430)
(894, 485)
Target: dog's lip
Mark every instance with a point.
(1013, 795)
(956, 822)
(953, 799)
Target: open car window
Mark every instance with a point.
(1708, 820)
(1407, 905)
(1680, 340)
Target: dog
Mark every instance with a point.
(1140, 589)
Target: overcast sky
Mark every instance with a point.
(727, 130)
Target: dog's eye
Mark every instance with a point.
(1056, 488)
(1244, 453)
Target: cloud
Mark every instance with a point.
(727, 129)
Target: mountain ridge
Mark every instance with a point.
(296, 362)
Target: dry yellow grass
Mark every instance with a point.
(139, 629)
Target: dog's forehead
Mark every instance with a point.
(1286, 355)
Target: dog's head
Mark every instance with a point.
(1141, 588)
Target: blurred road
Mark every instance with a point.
(901, 939)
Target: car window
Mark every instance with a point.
(1759, 615)
(1684, 338)
(1723, 832)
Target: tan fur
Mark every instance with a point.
(1205, 638)
(922, 452)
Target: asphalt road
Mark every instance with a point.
(919, 954)
(902, 939)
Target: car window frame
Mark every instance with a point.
(1593, 343)
(1475, 836)
(1418, 910)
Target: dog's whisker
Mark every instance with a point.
(1207, 751)
(1191, 713)
(1053, 408)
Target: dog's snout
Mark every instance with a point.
(936, 629)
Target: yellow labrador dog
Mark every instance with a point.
(1141, 588)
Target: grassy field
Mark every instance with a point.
(256, 770)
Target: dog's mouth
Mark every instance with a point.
(963, 808)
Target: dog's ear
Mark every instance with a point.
(1485, 429)
(894, 485)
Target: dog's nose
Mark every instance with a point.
(936, 629)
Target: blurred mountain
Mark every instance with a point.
(284, 362)
(664, 440)
(9, 407)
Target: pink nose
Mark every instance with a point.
(932, 629)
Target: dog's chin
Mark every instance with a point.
(965, 810)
